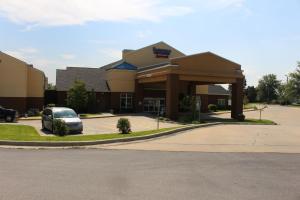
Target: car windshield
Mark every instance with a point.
(65, 114)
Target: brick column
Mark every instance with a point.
(172, 96)
(139, 96)
(237, 99)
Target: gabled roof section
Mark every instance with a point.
(94, 78)
(208, 53)
(217, 90)
(123, 65)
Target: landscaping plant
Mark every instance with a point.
(60, 128)
(124, 125)
(212, 107)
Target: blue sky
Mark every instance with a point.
(262, 35)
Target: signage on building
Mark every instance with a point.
(161, 53)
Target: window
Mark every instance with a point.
(221, 102)
(126, 101)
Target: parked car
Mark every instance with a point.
(67, 115)
(8, 115)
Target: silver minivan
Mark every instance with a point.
(67, 115)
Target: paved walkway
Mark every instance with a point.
(284, 137)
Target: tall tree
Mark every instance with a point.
(267, 89)
(294, 83)
(77, 97)
(251, 93)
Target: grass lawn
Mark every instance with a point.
(257, 121)
(28, 133)
(250, 106)
(247, 121)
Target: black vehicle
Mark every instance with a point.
(8, 115)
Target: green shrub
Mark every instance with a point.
(188, 118)
(212, 107)
(124, 125)
(60, 128)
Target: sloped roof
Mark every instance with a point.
(120, 65)
(94, 78)
(217, 90)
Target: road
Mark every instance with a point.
(94, 174)
(283, 138)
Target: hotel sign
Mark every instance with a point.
(161, 53)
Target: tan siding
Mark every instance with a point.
(202, 89)
(121, 80)
(145, 57)
(35, 84)
(209, 64)
(13, 77)
(17, 79)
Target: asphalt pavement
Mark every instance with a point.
(92, 174)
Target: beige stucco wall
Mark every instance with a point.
(13, 77)
(121, 80)
(207, 64)
(35, 83)
(16, 77)
(145, 56)
(202, 89)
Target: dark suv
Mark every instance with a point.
(8, 115)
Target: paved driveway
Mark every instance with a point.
(108, 125)
(284, 137)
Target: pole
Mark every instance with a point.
(158, 109)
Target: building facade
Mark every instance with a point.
(156, 76)
(21, 85)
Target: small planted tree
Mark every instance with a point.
(92, 102)
(60, 128)
(77, 97)
(124, 126)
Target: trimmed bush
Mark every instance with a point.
(124, 126)
(212, 107)
(60, 128)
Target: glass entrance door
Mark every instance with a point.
(151, 105)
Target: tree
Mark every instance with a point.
(267, 89)
(293, 85)
(251, 93)
(77, 97)
(92, 102)
(285, 95)
(51, 86)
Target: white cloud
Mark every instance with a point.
(74, 12)
(68, 56)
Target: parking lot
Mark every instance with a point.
(108, 125)
(283, 137)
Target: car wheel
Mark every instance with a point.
(9, 118)
(43, 126)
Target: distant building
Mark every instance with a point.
(156, 76)
(21, 85)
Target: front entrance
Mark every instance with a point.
(151, 105)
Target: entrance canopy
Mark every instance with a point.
(199, 69)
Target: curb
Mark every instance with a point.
(97, 142)
(28, 119)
